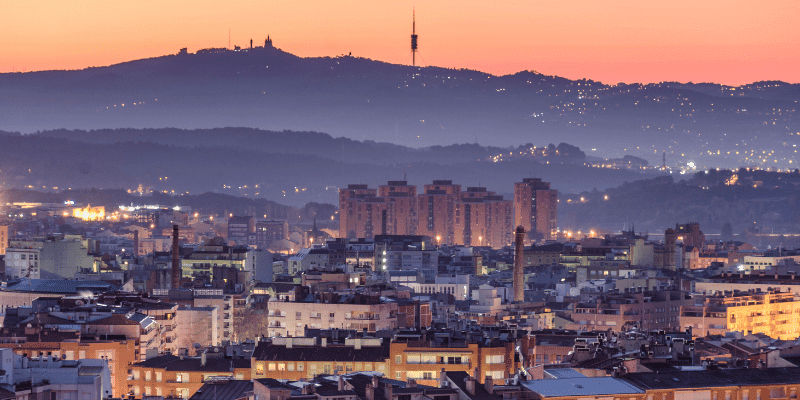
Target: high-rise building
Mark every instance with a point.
(349, 214)
(402, 200)
(482, 218)
(436, 208)
(365, 212)
(535, 208)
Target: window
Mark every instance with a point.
(332, 314)
(494, 359)
(398, 359)
(271, 367)
(290, 367)
(745, 394)
(136, 374)
(281, 366)
(497, 375)
(82, 354)
(398, 375)
(147, 375)
(260, 368)
(777, 393)
(158, 376)
(298, 315)
(300, 366)
(793, 393)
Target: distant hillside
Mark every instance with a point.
(363, 99)
(751, 201)
(291, 168)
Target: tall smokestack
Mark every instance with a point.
(176, 267)
(136, 242)
(519, 277)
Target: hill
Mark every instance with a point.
(361, 99)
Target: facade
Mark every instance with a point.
(269, 231)
(240, 229)
(54, 258)
(773, 313)
(406, 253)
(436, 211)
(357, 312)
(643, 309)
(535, 208)
(170, 375)
(4, 230)
(402, 201)
(196, 325)
(457, 285)
(483, 218)
(305, 358)
(423, 362)
(70, 347)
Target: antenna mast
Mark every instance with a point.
(413, 37)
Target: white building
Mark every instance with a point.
(57, 379)
(457, 285)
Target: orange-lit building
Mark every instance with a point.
(402, 200)
(350, 216)
(535, 208)
(436, 209)
(482, 218)
(70, 345)
(423, 362)
(773, 313)
(305, 358)
(170, 375)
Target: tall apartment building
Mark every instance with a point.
(402, 200)
(482, 218)
(240, 229)
(270, 231)
(535, 208)
(436, 211)
(390, 210)
(349, 214)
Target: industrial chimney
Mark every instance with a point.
(519, 277)
(176, 266)
(136, 242)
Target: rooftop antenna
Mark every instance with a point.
(413, 37)
(664, 161)
(229, 38)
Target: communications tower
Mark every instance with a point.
(413, 38)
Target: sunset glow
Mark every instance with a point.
(612, 41)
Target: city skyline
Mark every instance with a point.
(621, 41)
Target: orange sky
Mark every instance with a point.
(612, 41)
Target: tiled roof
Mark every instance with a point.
(225, 390)
(267, 351)
(714, 378)
(170, 362)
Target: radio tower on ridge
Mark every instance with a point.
(413, 37)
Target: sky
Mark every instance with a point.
(731, 42)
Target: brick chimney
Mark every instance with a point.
(470, 383)
(488, 384)
(370, 395)
(442, 378)
(388, 391)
